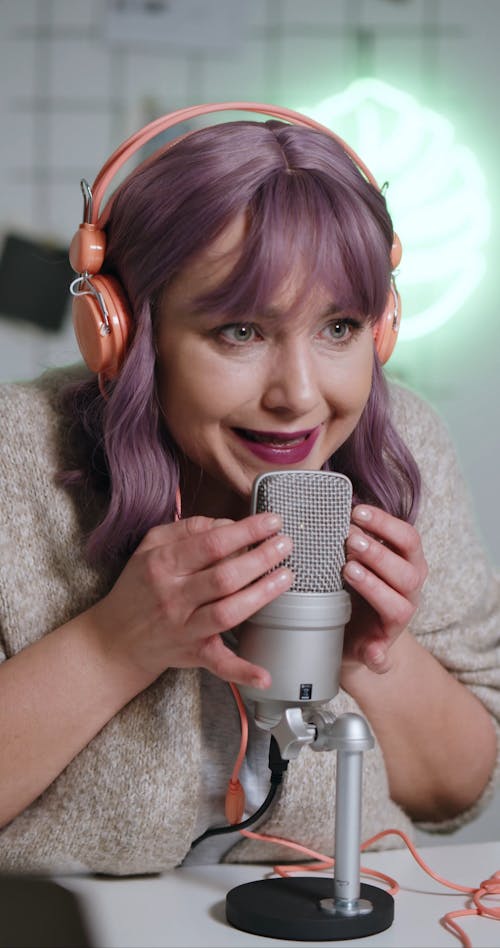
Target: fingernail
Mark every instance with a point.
(375, 658)
(354, 571)
(283, 544)
(357, 542)
(273, 521)
(362, 513)
(261, 682)
(282, 576)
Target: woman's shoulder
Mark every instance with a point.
(31, 415)
(33, 401)
(416, 419)
(44, 389)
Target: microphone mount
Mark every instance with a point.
(303, 908)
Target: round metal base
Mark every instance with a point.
(291, 908)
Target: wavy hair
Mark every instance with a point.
(306, 201)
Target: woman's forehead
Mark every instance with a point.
(247, 268)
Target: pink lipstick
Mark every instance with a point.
(279, 447)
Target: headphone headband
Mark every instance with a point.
(101, 314)
(128, 148)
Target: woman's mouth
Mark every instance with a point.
(279, 447)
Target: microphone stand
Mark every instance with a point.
(322, 909)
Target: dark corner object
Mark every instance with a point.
(34, 281)
(36, 912)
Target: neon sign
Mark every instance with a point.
(437, 195)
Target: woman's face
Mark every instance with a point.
(281, 390)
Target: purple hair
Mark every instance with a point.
(305, 200)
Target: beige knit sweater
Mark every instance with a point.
(127, 803)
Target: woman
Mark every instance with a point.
(255, 258)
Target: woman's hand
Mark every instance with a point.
(185, 584)
(385, 571)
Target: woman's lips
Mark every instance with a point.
(279, 447)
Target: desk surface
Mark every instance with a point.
(185, 908)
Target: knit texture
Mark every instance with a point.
(128, 802)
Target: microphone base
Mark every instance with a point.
(291, 909)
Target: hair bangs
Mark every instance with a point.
(302, 237)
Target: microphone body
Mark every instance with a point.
(299, 636)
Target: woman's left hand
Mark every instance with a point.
(385, 571)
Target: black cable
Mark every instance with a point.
(218, 830)
(277, 767)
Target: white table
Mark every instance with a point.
(185, 908)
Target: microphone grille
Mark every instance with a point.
(316, 511)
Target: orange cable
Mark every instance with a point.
(235, 794)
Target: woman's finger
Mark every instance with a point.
(393, 609)
(200, 542)
(168, 533)
(227, 613)
(217, 658)
(403, 576)
(235, 573)
(398, 534)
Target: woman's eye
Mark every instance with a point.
(238, 332)
(341, 329)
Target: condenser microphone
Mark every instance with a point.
(299, 636)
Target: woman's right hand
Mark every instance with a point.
(186, 583)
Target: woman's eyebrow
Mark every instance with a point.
(273, 315)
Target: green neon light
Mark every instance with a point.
(437, 195)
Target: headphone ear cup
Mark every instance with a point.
(385, 331)
(103, 346)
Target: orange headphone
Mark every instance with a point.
(101, 312)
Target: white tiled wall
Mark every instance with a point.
(68, 96)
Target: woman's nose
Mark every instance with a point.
(292, 383)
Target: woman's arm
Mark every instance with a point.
(426, 614)
(185, 584)
(437, 739)
(55, 696)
